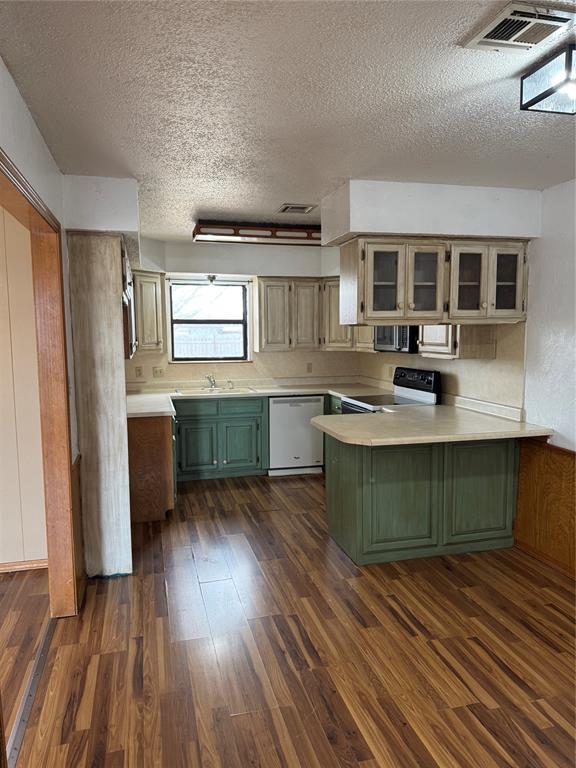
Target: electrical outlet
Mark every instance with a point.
(308, 367)
(138, 372)
(158, 372)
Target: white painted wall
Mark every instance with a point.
(101, 204)
(152, 254)
(550, 384)
(244, 259)
(385, 207)
(22, 142)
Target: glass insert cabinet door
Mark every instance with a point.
(468, 281)
(425, 281)
(385, 280)
(506, 282)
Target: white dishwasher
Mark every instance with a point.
(295, 446)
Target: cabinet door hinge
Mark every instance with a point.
(363, 255)
(289, 288)
(446, 306)
(289, 342)
(257, 459)
(455, 344)
(319, 341)
(362, 307)
(257, 426)
(447, 256)
(320, 288)
(523, 305)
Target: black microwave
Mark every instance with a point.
(396, 338)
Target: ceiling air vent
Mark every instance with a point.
(520, 27)
(295, 208)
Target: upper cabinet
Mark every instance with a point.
(149, 315)
(487, 282)
(335, 336)
(389, 282)
(273, 315)
(385, 281)
(305, 314)
(287, 314)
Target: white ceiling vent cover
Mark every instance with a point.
(295, 208)
(520, 27)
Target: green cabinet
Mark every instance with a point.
(480, 491)
(403, 499)
(198, 446)
(221, 437)
(333, 404)
(399, 502)
(239, 442)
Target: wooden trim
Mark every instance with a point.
(55, 422)
(3, 760)
(23, 186)
(23, 565)
(545, 524)
(78, 535)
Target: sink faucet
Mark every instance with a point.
(211, 380)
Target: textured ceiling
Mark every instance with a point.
(228, 109)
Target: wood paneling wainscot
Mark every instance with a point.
(151, 470)
(546, 498)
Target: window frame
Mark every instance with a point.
(244, 322)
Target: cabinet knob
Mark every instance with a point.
(484, 305)
(216, 461)
(224, 462)
(400, 304)
(411, 305)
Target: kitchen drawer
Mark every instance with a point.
(239, 406)
(196, 407)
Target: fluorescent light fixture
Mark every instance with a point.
(551, 85)
(226, 232)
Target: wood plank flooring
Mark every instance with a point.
(246, 638)
(24, 615)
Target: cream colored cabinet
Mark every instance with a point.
(487, 282)
(363, 338)
(287, 314)
(335, 336)
(305, 314)
(457, 342)
(148, 287)
(506, 282)
(273, 315)
(425, 281)
(384, 297)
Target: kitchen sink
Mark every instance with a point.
(215, 391)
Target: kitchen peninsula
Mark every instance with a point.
(421, 481)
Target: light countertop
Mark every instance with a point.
(160, 403)
(424, 424)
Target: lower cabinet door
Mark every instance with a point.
(480, 490)
(403, 498)
(239, 441)
(198, 446)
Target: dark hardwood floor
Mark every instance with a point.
(246, 638)
(24, 616)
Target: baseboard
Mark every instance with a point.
(295, 471)
(23, 565)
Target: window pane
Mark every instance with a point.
(211, 341)
(207, 302)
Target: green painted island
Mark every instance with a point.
(421, 481)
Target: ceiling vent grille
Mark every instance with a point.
(301, 208)
(520, 27)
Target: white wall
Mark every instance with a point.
(21, 140)
(244, 259)
(101, 204)
(385, 207)
(550, 385)
(152, 254)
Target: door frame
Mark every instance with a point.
(66, 575)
